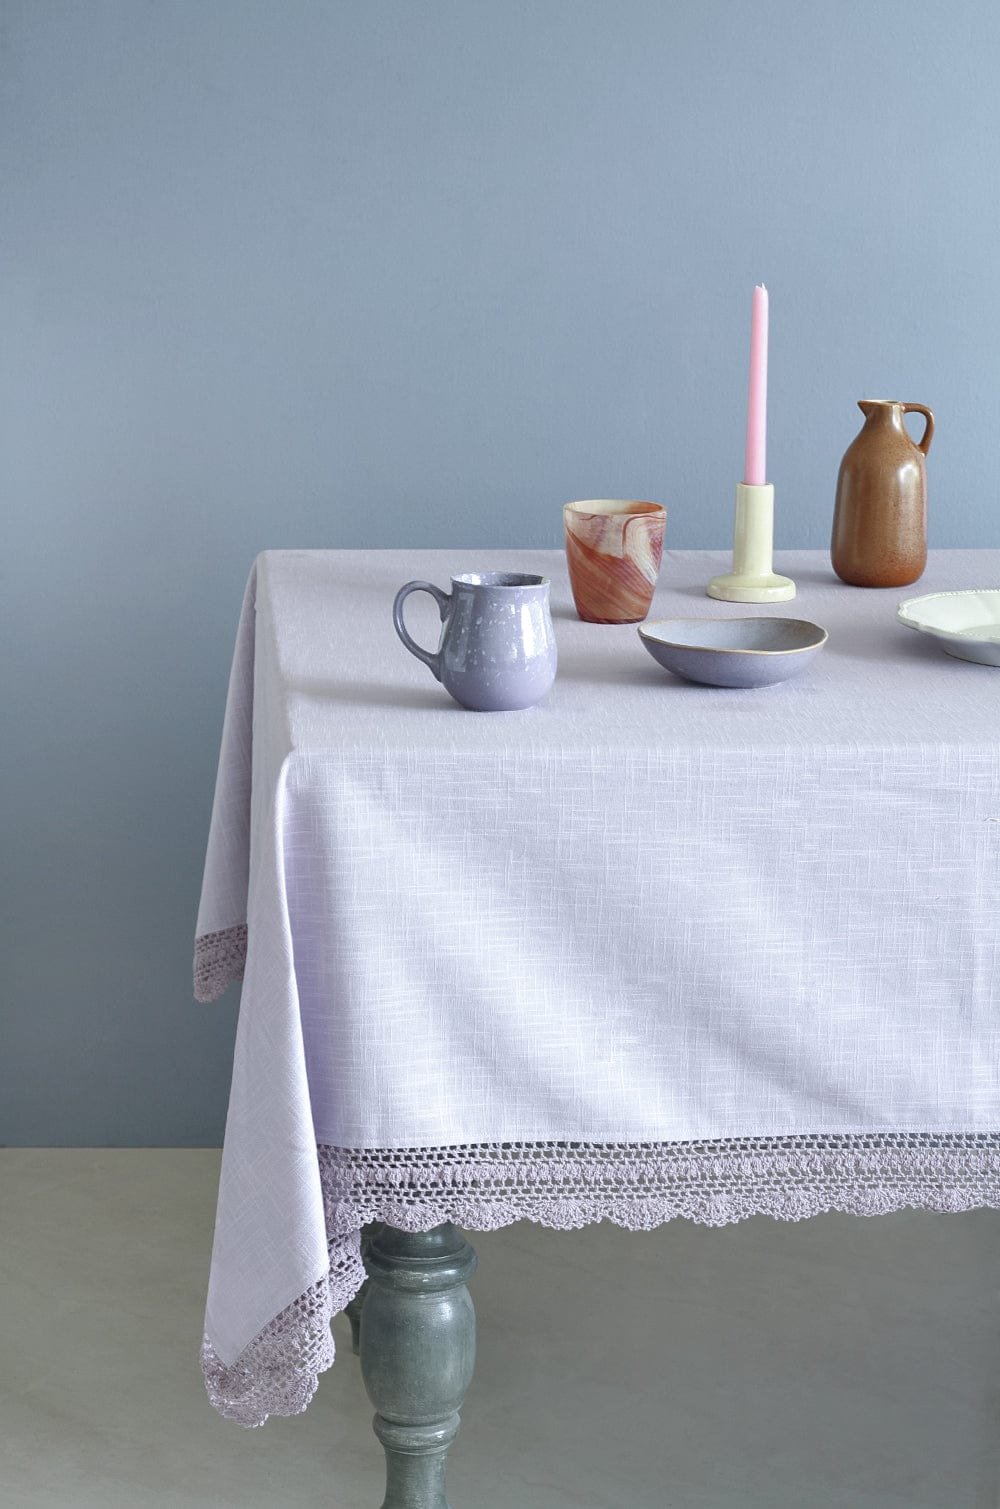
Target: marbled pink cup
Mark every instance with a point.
(613, 550)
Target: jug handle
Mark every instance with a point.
(924, 443)
(443, 600)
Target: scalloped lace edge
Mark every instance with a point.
(570, 1185)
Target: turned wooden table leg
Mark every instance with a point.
(418, 1348)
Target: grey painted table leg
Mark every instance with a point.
(353, 1312)
(418, 1348)
(353, 1308)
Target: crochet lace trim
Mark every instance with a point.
(565, 1185)
(219, 959)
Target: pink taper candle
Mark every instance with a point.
(756, 461)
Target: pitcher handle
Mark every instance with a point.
(924, 443)
(443, 599)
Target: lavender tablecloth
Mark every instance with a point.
(646, 950)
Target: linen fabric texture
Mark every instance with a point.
(645, 949)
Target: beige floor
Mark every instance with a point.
(834, 1363)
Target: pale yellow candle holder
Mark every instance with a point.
(752, 579)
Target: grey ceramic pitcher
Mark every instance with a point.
(497, 650)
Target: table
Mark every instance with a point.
(646, 950)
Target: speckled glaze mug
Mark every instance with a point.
(497, 651)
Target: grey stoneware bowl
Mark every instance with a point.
(742, 652)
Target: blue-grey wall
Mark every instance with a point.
(399, 273)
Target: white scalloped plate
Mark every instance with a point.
(966, 624)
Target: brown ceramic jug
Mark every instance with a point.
(880, 519)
